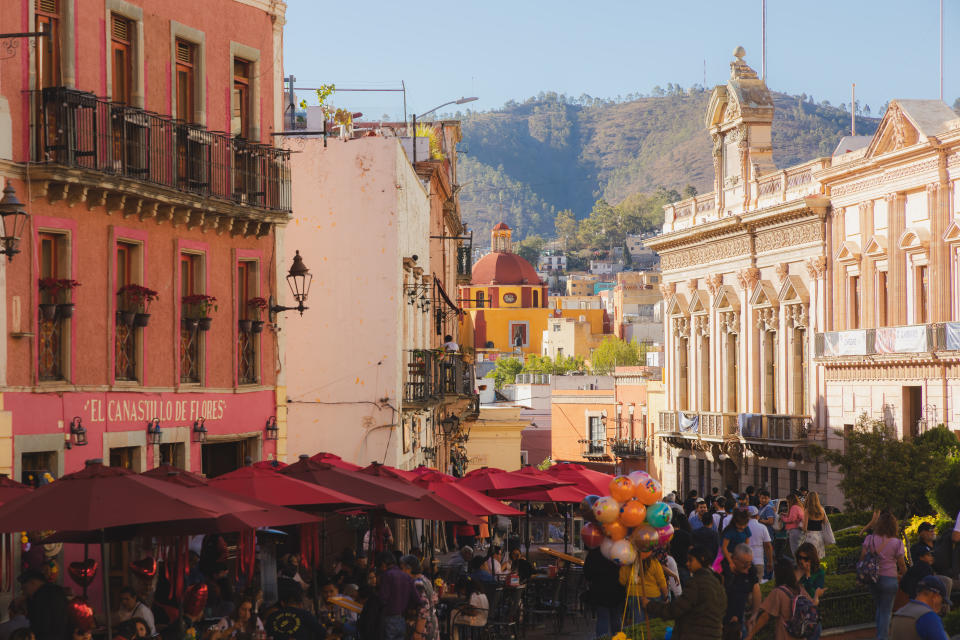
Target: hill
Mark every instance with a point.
(527, 161)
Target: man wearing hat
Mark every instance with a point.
(46, 605)
(760, 543)
(922, 557)
(920, 619)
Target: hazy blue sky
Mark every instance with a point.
(511, 49)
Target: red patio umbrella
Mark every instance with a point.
(386, 471)
(181, 476)
(10, 489)
(588, 480)
(270, 464)
(423, 469)
(270, 486)
(559, 492)
(490, 481)
(373, 489)
(431, 507)
(335, 460)
(477, 503)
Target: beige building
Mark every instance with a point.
(495, 438)
(589, 301)
(581, 284)
(565, 337)
(638, 306)
(742, 271)
(892, 346)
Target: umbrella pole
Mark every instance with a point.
(528, 529)
(105, 559)
(566, 528)
(86, 557)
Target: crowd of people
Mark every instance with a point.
(726, 545)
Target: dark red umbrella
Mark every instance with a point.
(10, 489)
(557, 492)
(490, 481)
(373, 489)
(431, 507)
(271, 486)
(385, 471)
(464, 497)
(588, 480)
(269, 464)
(176, 474)
(335, 460)
(422, 469)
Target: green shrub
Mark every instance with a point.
(941, 521)
(849, 519)
(945, 495)
(951, 622)
(849, 538)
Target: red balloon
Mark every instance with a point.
(144, 567)
(592, 535)
(633, 513)
(83, 573)
(615, 531)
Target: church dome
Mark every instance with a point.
(504, 268)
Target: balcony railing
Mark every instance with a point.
(668, 422)
(82, 131)
(707, 424)
(593, 448)
(781, 427)
(628, 448)
(432, 374)
(917, 338)
(717, 425)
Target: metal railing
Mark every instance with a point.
(717, 425)
(628, 448)
(917, 338)
(593, 448)
(782, 427)
(668, 422)
(431, 374)
(710, 424)
(80, 130)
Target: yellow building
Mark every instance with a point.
(495, 438)
(506, 307)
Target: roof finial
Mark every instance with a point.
(739, 53)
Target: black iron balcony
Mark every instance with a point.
(628, 448)
(80, 130)
(594, 448)
(423, 377)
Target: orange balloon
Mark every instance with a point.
(621, 488)
(615, 531)
(633, 513)
(648, 491)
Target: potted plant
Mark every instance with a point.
(52, 287)
(65, 309)
(200, 305)
(258, 305)
(137, 300)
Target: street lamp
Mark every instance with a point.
(425, 113)
(154, 435)
(272, 430)
(13, 218)
(299, 279)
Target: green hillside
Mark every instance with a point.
(526, 161)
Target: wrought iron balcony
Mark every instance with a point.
(774, 434)
(594, 448)
(435, 374)
(628, 448)
(81, 131)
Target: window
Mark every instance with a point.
(47, 20)
(480, 299)
(125, 457)
(186, 80)
(126, 342)
(121, 47)
(881, 298)
(923, 291)
(240, 106)
(853, 302)
(597, 434)
(35, 465)
(518, 335)
(247, 287)
(536, 299)
(52, 352)
(191, 271)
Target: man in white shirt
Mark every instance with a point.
(760, 543)
(449, 344)
(132, 607)
(719, 514)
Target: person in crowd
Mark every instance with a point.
(466, 535)
(644, 578)
(131, 606)
(220, 592)
(719, 513)
(706, 536)
(290, 621)
(779, 603)
(46, 605)
(368, 622)
(698, 612)
(329, 615)
(243, 624)
(449, 344)
(288, 569)
(885, 542)
(493, 562)
(194, 602)
(378, 538)
(793, 522)
(604, 593)
(768, 514)
(521, 565)
(680, 542)
(690, 504)
(752, 500)
(810, 574)
(132, 629)
(700, 508)
(802, 493)
(670, 572)
(478, 571)
(922, 556)
(462, 559)
(474, 612)
(760, 543)
(920, 619)
(742, 585)
(737, 532)
(815, 523)
(397, 594)
(671, 500)
(425, 625)
(17, 618)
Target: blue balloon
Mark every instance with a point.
(658, 515)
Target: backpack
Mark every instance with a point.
(868, 567)
(804, 617)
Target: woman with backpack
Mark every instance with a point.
(795, 612)
(880, 566)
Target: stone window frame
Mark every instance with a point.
(138, 239)
(198, 38)
(134, 14)
(251, 55)
(915, 244)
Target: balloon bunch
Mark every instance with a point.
(631, 521)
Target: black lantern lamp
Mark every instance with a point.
(449, 424)
(78, 433)
(200, 430)
(13, 219)
(299, 279)
(154, 436)
(272, 430)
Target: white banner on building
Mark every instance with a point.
(845, 343)
(953, 336)
(911, 339)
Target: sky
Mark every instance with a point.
(500, 50)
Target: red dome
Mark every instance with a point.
(501, 226)
(504, 268)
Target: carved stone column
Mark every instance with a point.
(839, 272)
(868, 305)
(939, 275)
(897, 266)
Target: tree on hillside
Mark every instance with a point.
(567, 227)
(530, 248)
(689, 191)
(612, 353)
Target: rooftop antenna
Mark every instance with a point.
(941, 49)
(853, 109)
(763, 40)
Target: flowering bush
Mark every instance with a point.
(139, 296)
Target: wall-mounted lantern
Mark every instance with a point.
(154, 436)
(299, 279)
(200, 430)
(272, 430)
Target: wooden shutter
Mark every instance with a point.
(184, 53)
(47, 6)
(120, 29)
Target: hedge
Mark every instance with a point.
(951, 622)
(849, 519)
